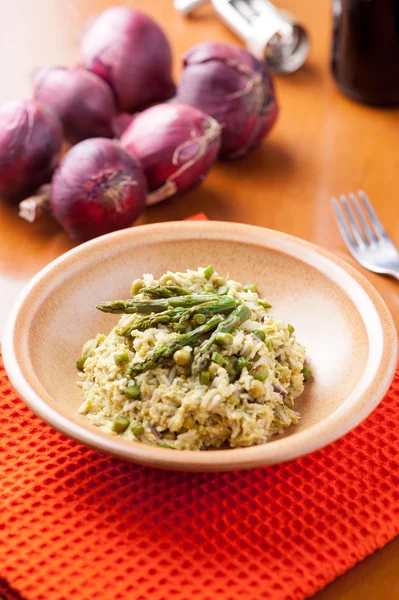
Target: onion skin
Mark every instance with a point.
(84, 103)
(120, 123)
(231, 85)
(98, 188)
(176, 144)
(132, 54)
(30, 145)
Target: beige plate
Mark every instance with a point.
(338, 315)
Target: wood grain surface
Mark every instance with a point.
(323, 145)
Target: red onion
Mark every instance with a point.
(30, 143)
(132, 54)
(84, 102)
(120, 123)
(231, 85)
(98, 188)
(176, 144)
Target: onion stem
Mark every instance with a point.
(36, 206)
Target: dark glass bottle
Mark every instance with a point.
(365, 53)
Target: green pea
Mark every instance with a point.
(120, 424)
(208, 288)
(241, 363)
(291, 329)
(307, 373)
(218, 359)
(264, 303)
(121, 357)
(222, 290)
(251, 287)
(260, 372)
(269, 344)
(199, 319)
(224, 339)
(132, 391)
(228, 365)
(233, 361)
(218, 281)
(180, 327)
(205, 378)
(189, 422)
(213, 370)
(208, 272)
(80, 363)
(137, 429)
(260, 334)
(285, 374)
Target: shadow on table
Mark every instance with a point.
(204, 199)
(271, 159)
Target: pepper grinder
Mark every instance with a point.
(269, 34)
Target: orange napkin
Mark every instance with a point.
(198, 217)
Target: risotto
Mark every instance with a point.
(195, 362)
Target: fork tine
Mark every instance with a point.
(376, 223)
(356, 231)
(369, 232)
(343, 227)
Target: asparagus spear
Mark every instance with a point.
(202, 353)
(225, 304)
(155, 306)
(165, 291)
(166, 351)
(167, 316)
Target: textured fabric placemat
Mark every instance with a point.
(78, 524)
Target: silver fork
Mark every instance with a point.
(364, 234)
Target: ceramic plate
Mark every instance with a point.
(347, 329)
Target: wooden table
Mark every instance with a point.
(323, 144)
